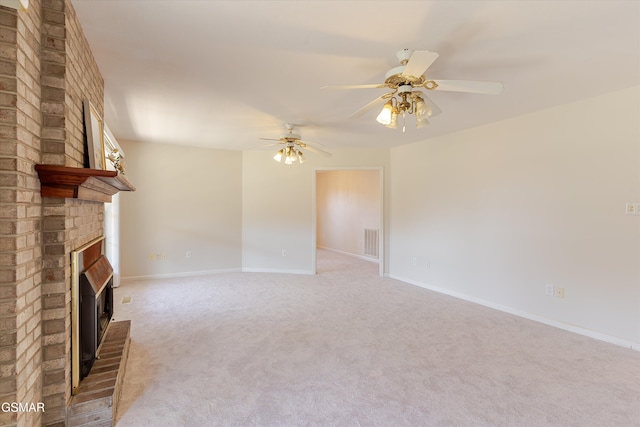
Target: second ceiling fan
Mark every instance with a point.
(406, 96)
(293, 147)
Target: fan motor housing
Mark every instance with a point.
(290, 137)
(394, 78)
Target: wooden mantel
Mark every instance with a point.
(81, 183)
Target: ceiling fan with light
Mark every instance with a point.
(406, 82)
(293, 147)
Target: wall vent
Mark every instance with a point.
(371, 242)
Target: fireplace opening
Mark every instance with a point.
(91, 306)
(96, 311)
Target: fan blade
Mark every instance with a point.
(419, 62)
(305, 146)
(371, 104)
(313, 143)
(489, 88)
(372, 86)
(271, 139)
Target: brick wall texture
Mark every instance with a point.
(46, 70)
(20, 214)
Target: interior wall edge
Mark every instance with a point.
(277, 271)
(362, 257)
(180, 275)
(524, 314)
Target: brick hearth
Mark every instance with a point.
(96, 402)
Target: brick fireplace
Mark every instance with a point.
(46, 70)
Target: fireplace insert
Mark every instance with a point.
(96, 310)
(91, 306)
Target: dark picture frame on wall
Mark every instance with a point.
(94, 129)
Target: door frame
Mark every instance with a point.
(381, 234)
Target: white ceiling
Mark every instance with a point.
(222, 74)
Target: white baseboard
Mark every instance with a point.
(524, 314)
(364, 257)
(208, 272)
(275, 270)
(179, 275)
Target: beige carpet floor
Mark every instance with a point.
(348, 348)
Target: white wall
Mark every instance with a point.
(493, 214)
(186, 199)
(348, 202)
(112, 235)
(279, 207)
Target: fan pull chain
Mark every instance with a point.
(404, 121)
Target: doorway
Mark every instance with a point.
(349, 213)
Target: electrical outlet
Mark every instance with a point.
(559, 292)
(414, 261)
(187, 254)
(548, 290)
(284, 252)
(630, 209)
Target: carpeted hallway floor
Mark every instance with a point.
(348, 348)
